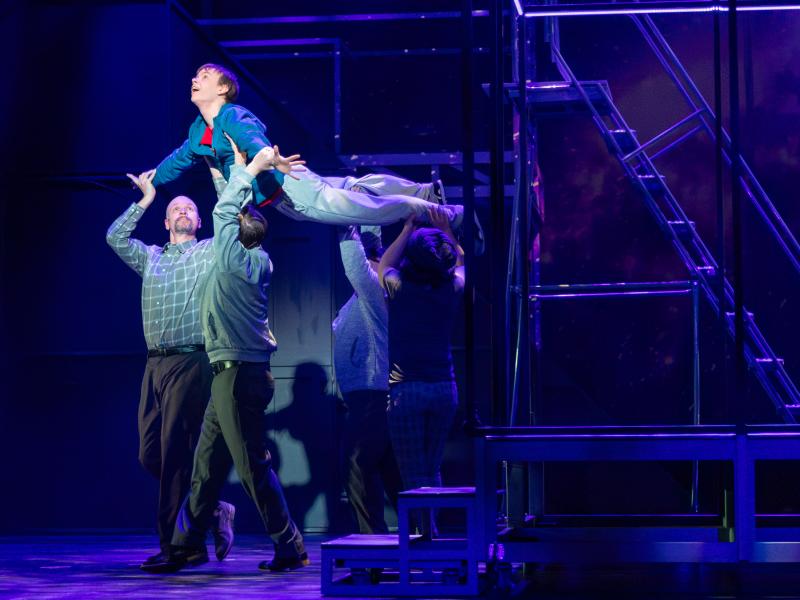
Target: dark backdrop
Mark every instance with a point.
(93, 90)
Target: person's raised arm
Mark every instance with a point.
(179, 161)
(231, 255)
(132, 251)
(287, 164)
(216, 177)
(394, 253)
(356, 264)
(269, 159)
(440, 221)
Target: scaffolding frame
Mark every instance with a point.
(740, 444)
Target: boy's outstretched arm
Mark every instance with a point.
(179, 161)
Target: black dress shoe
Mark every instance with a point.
(155, 558)
(223, 529)
(279, 565)
(177, 558)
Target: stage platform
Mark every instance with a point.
(50, 567)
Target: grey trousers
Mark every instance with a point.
(380, 184)
(311, 197)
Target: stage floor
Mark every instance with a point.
(106, 566)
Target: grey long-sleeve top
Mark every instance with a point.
(361, 348)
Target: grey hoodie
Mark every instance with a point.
(235, 298)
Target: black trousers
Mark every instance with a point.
(175, 392)
(370, 464)
(234, 432)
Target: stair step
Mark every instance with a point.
(368, 541)
(708, 270)
(683, 229)
(770, 362)
(626, 139)
(439, 492)
(560, 98)
(653, 183)
(748, 316)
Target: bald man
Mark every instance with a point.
(177, 379)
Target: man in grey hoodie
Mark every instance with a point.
(361, 362)
(239, 344)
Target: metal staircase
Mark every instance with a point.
(515, 455)
(637, 160)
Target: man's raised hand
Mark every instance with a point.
(287, 164)
(439, 219)
(145, 184)
(215, 172)
(239, 157)
(262, 161)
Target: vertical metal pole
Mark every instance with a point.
(747, 71)
(519, 474)
(736, 215)
(695, 388)
(723, 261)
(719, 165)
(744, 505)
(337, 97)
(534, 473)
(517, 288)
(525, 195)
(468, 186)
(545, 35)
(744, 490)
(499, 344)
(513, 275)
(539, 66)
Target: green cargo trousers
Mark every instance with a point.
(234, 432)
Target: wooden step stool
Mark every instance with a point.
(457, 558)
(361, 553)
(406, 564)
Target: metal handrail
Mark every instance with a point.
(756, 345)
(752, 187)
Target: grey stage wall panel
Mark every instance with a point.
(301, 294)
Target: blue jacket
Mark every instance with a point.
(249, 134)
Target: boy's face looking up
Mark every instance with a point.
(206, 87)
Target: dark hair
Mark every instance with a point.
(252, 227)
(429, 257)
(226, 77)
(372, 245)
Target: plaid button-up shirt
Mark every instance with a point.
(172, 281)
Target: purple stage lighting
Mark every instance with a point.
(645, 8)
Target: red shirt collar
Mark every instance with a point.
(207, 136)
